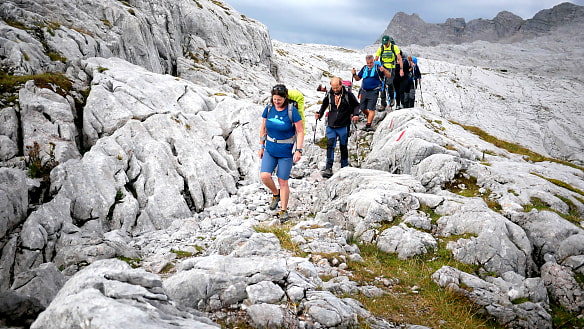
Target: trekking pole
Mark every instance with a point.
(356, 143)
(314, 137)
(421, 94)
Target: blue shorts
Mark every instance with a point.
(284, 165)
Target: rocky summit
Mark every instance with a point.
(505, 27)
(130, 194)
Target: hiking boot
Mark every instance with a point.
(283, 216)
(327, 173)
(392, 102)
(275, 200)
(367, 128)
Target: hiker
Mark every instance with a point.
(372, 75)
(398, 80)
(417, 73)
(414, 75)
(344, 106)
(280, 129)
(387, 54)
(406, 82)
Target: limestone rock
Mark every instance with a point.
(530, 314)
(13, 199)
(405, 241)
(109, 294)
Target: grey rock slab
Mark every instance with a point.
(109, 294)
(406, 242)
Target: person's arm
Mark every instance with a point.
(354, 104)
(355, 75)
(385, 72)
(299, 140)
(263, 134)
(323, 106)
(401, 67)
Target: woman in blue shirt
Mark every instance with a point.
(279, 131)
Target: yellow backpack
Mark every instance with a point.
(298, 98)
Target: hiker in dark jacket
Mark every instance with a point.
(344, 107)
(401, 82)
(414, 76)
(407, 83)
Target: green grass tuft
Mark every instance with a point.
(428, 304)
(514, 148)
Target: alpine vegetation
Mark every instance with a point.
(130, 186)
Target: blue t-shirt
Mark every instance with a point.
(278, 126)
(371, 77)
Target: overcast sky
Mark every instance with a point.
(358, 23)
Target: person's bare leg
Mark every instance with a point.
(284, 193)
(366, 112)
(269, 182)
(370, 116)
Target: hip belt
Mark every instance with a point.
(290, 140)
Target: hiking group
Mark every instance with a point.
(389, 75)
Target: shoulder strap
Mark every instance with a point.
(330, 97)
(346, 95)
(290, 106)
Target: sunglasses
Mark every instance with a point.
(279, 88)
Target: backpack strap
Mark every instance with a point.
(346, 95)
(383, 50)
(290, 107)
(290, 140)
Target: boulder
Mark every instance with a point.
(496, 299)
(110, 294)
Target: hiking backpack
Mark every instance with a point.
(292, 103)
(297, 99)
(330, 96)
(384, 50)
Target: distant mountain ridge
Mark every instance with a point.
(505, 27)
